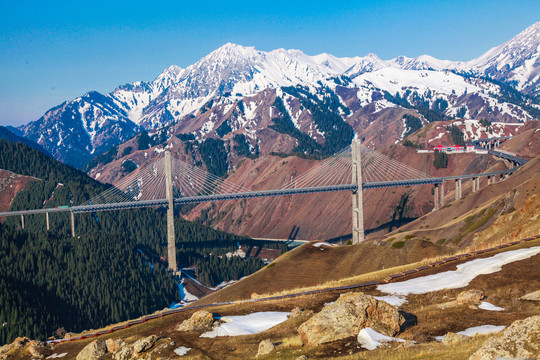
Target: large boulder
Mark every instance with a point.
(521, 340)
(38, 349)
(200, 321)
(145, 344)
(534, 296)
(472, 296)
(347, 316)
(265, 347)
(93, 351)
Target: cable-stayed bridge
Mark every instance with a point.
(169, 182)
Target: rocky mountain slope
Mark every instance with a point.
(367, 88)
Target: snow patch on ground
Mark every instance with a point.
(184, 294)
(319, 244)
(392, 299)
(482, 330)
(370, 339)
(490, 307)
(460, 277)
(439, 135)
(247, 324)
(181, 351)
(56, 356)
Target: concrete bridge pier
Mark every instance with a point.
(458, 189)
(171, 239)
(357, 197)
(474, 185)
(47, 221)
(22, 222)
(436, 204)
(478, 183)
(489, 180)
(441, 203)
(72, 224)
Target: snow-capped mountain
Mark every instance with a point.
(90, 124)
(516, 61)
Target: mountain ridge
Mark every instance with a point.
(94, 122)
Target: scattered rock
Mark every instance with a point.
(93, 351)
(534, 296)
(124, 353)
(145, 344)
(38, 349)
(14, 346)
(521, 340)
(297, 312)
(453, 338)
(472, 296)
(347, 316)
(407, 344)
(200, 321)
(302, 357)
(113, 345)
(265, 347)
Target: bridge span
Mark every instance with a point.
(358, 224)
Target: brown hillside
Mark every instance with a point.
(10, 185)
(325, 216)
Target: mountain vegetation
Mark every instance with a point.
(102, 260)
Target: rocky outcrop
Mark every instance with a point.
(347, 316)
(200, 321)
(472, 296)
(298, 312)
(93, 351)
(113, 345)
(265, 347)
(534, 296)
(143, 345)
(22, 346)
(38, 349)
(521, 340)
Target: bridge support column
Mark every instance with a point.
(72, 224)
(478, 183)
(22, 222)
(357, 199)
(489, 180)
(474, 189)
(171, 241)
(436, 205)
(47, 220)
(458, 189)
(441, 202)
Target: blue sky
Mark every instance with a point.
(57, 50)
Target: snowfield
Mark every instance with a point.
(247, 324)
(460, 277)
(482, 330)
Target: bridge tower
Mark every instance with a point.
(171, 246)
(357, 200)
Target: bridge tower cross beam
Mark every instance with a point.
(357, 198)
(171, 242)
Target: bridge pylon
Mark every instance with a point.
(171, 244)
(357, 199)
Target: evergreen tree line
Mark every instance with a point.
(48, 281)
(74, 272)
(420, 104)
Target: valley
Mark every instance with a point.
(277, 205)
